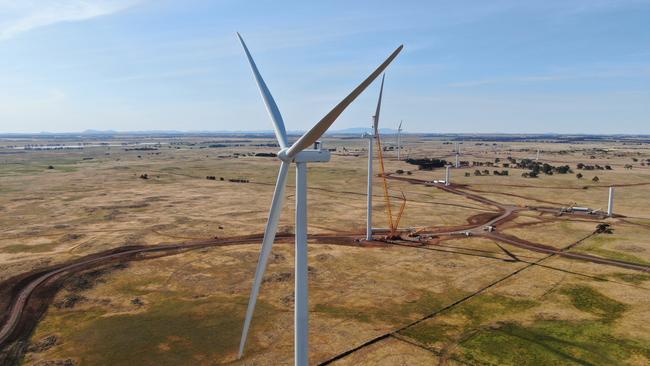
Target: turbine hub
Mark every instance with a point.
(282, 155)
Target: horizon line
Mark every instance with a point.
(344, 131)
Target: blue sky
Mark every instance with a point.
(570, 66)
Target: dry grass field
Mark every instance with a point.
(451, 300)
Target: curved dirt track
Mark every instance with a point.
(22, 295)
(23, 290)
(506, 213)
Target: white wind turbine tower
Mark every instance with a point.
(299, 154)
(399, 146)
(370, 137)
(457, 154)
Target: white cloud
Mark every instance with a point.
(22, 16)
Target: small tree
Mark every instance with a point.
(604, 229)
(596, 179)
(579, 175)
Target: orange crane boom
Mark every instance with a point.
(385, 182)
(393, 223)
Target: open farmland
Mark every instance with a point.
(164, 257)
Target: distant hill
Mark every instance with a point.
(361, 130)
(351, 132)
(91, 132)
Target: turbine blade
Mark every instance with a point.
(267, 244)
(319, 129)
(399, 128)
(269, 102)
(376, 117)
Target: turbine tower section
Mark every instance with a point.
(610, 202)
(447, 175)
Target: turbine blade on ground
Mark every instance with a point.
(381, 92)
(269, 102)
(267, 244)
(319, 129)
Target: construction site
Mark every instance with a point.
(460, 268)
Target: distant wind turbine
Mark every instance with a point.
(371, 137)
(399, 146)
(299, 154)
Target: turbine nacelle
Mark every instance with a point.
(315, 155)
(312, 156)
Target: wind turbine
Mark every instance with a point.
(300, 155)
(399, 131)
(370, 137)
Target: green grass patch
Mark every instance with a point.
(483, 307)
(169, 332)
(396, 313)
(473, 312)
(594, 246)
(478, 333)
(551, 343)
(591, 301)
(343, 312)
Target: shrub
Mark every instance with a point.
(427, 164)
